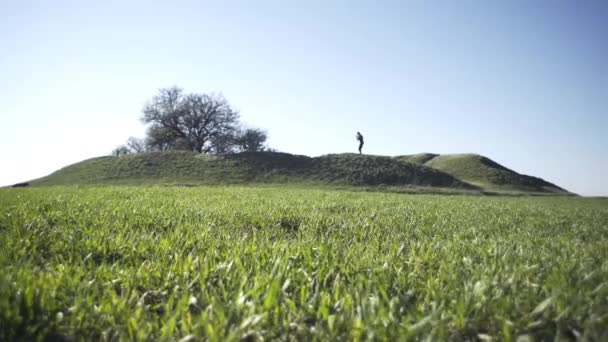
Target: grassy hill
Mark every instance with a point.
(484, 173)
(458, 173)
(182, 167)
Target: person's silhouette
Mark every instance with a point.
(360, 139)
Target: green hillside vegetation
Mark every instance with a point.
(425, 172)
(183, 167)
(375, 170)
(487, 174)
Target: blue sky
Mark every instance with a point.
(522, 82)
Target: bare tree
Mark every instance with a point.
(136, 145)
(120, 151)
(188, 121)
(252, 140)
(159, 138)
(225, 142)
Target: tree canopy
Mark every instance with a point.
(204, 123)
(197, 122)
(251, 140)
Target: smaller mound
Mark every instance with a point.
(488, 174)
(374, 170)
(419, 158)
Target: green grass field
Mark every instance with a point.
(280, 263)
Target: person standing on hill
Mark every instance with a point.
(360, 139)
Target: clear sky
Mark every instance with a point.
(522, 82)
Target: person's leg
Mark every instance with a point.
(360, 147)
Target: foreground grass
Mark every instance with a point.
(277, 263)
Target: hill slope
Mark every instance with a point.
(486, 173)
(419, 158)
(375, 170)
(458, 171)
(272, 167)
